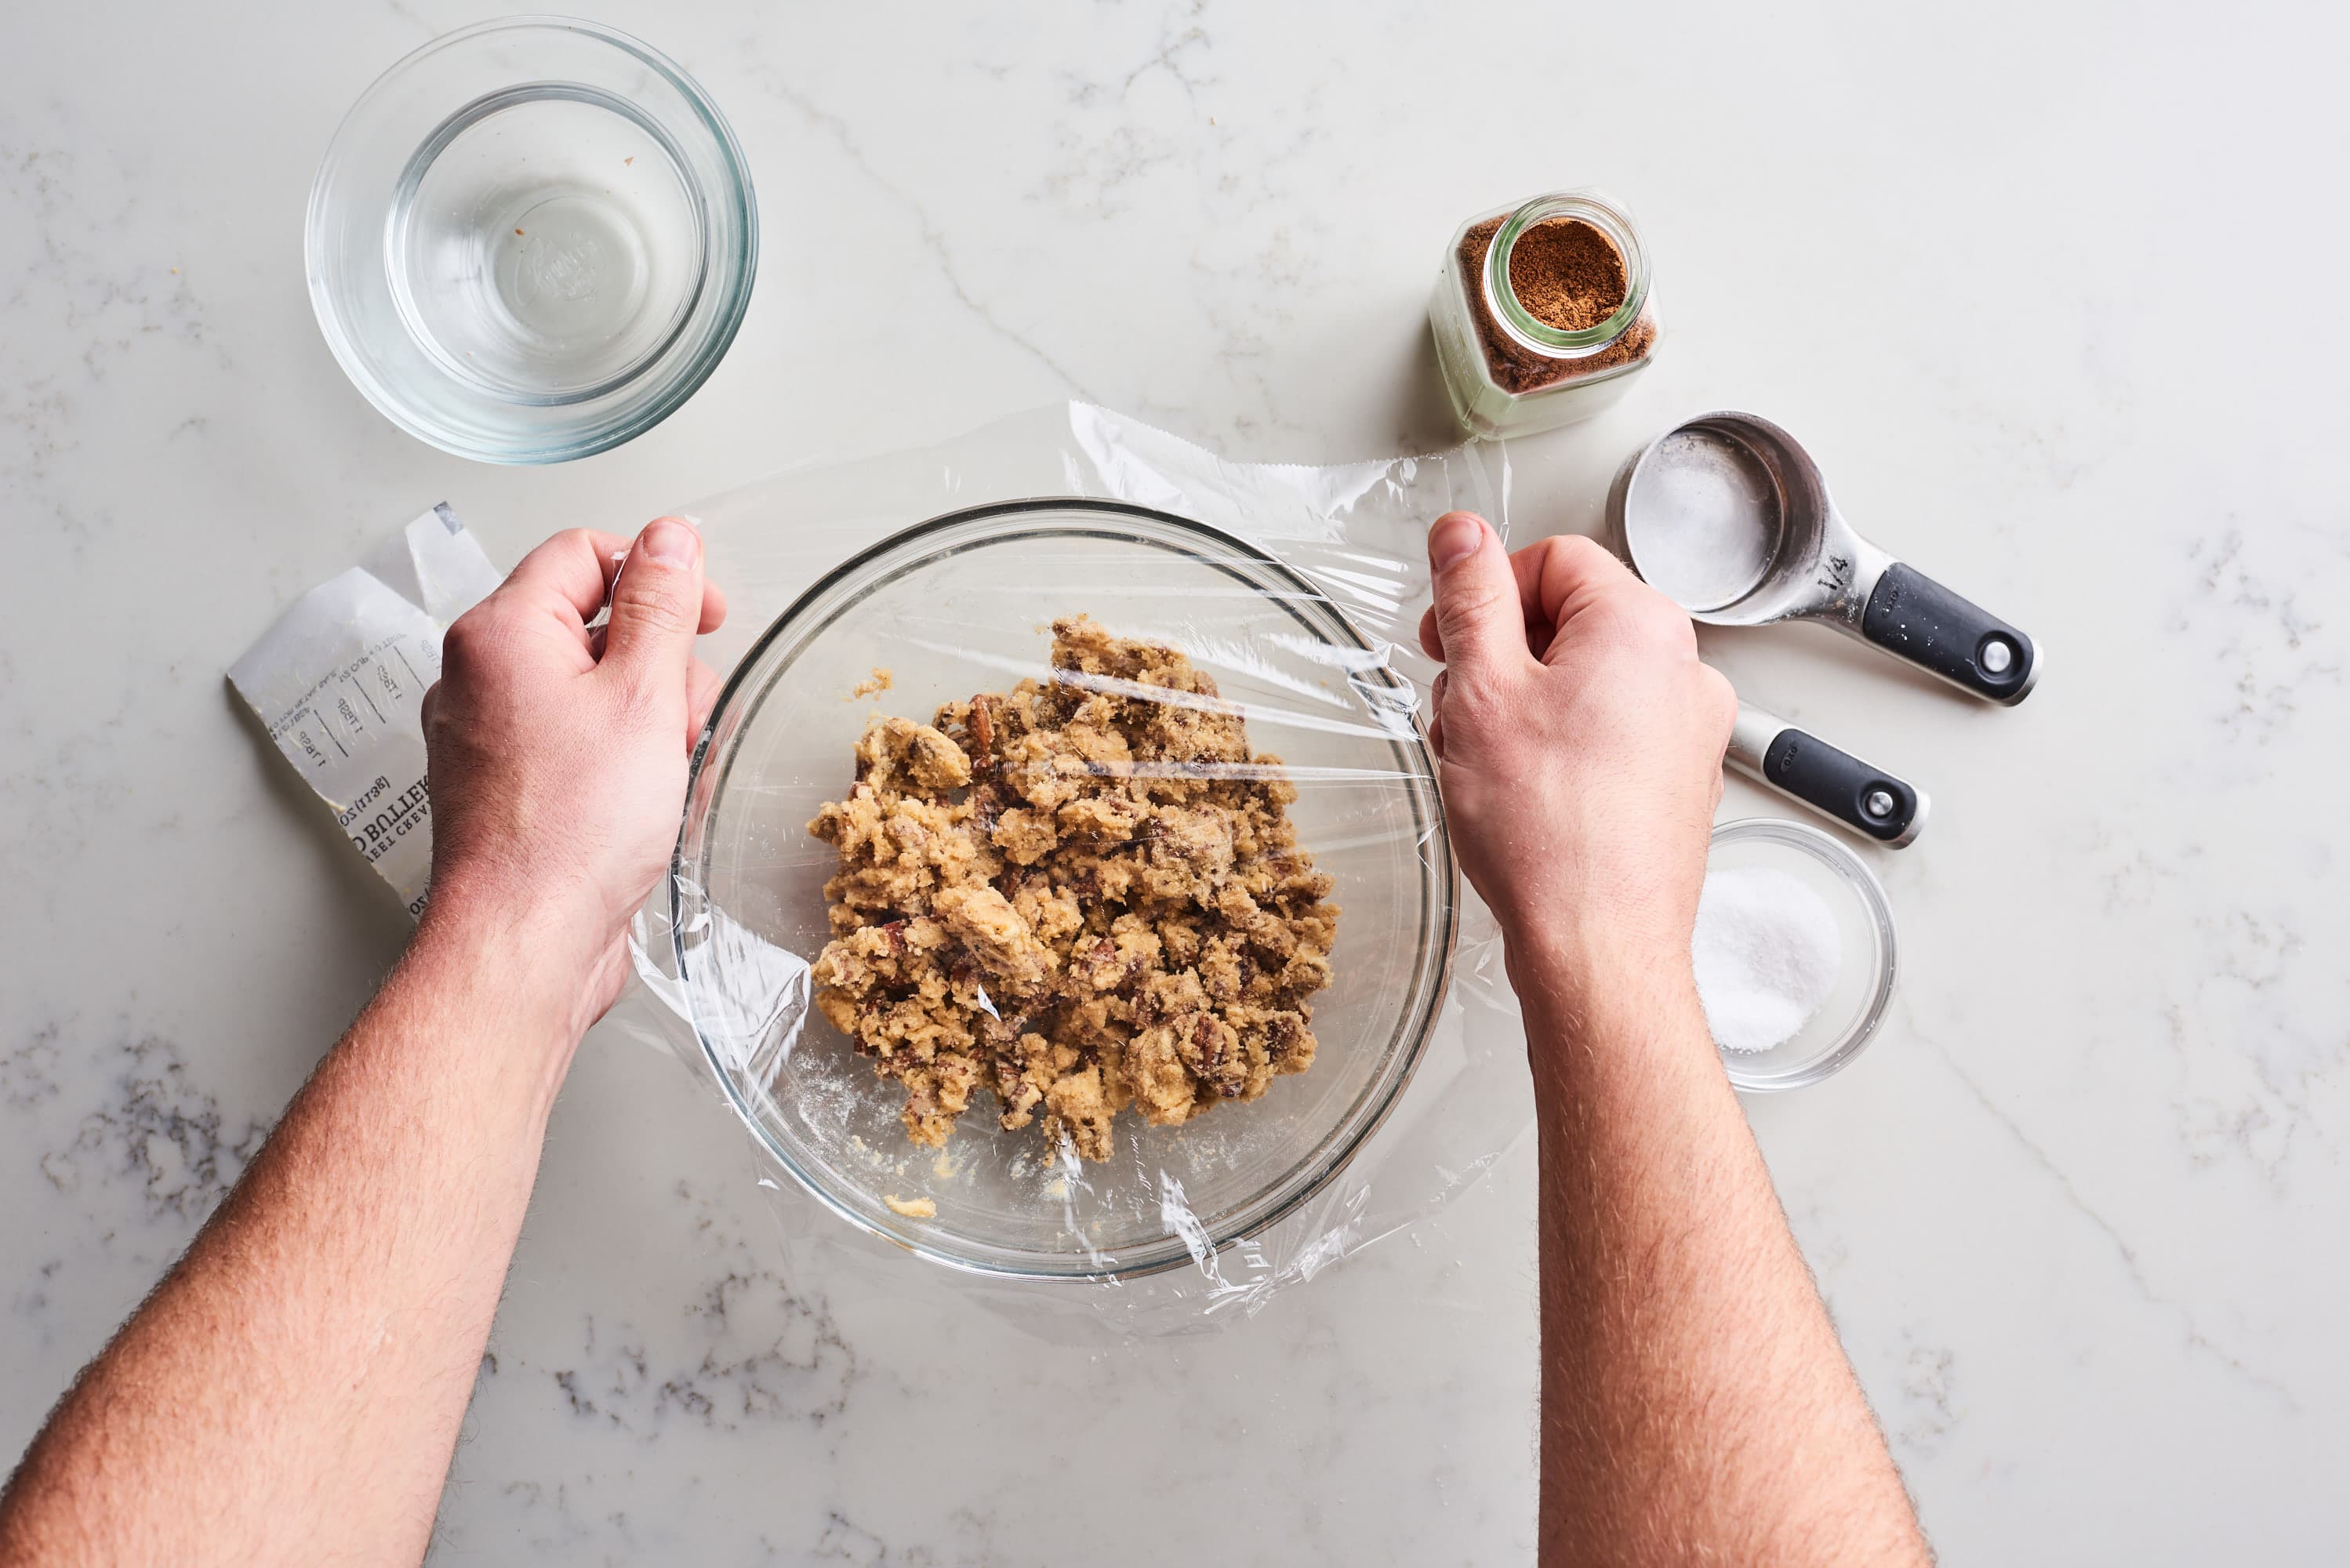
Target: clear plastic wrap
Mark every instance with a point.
(1099, 894)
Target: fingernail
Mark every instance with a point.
(667, 540)
(1456, 536)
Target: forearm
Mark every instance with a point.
(1696, 1405)
(293, 1389)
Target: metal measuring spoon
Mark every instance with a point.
(1836, 784)
(1729, 517)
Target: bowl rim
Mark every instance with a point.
(1841, 858)
(586, 441)
(1179, 1248)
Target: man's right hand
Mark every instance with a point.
(1685, 1352)
(1581, 746)
(558, 754)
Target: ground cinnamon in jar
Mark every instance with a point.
(1560, 331)
(1568, 275)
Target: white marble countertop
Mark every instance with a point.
(2054, 293)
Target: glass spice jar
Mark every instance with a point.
(1543, 313)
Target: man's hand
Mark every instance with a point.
(292, 1391)
(558, 754)
(1685, 1354)
(1581, 744)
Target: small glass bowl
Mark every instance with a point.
(531, 240)
(1849, 1018)
(962, 604)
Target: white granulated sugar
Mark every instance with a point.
(1767, 950)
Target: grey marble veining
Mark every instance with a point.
(2060, 322)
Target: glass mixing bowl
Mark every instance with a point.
(531, 240)
(961, 605)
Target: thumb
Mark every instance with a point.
(1479, 620)
(657, 608)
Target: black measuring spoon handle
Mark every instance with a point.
(1835, 783)
(1910, 614)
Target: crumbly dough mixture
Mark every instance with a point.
(1079, 896)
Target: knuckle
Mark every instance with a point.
(1467, 602)
(660, 606)
(471, 638)
(1720, 698)
(1587, 555)
(1594, 571)
(1656, 622)
(487, 633)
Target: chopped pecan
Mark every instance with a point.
(983, 736)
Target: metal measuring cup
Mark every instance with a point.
(1727, 516)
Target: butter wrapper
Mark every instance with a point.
(339, 684)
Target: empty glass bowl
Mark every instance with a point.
(964, 605)
(1856, 1004)
(531, 240)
